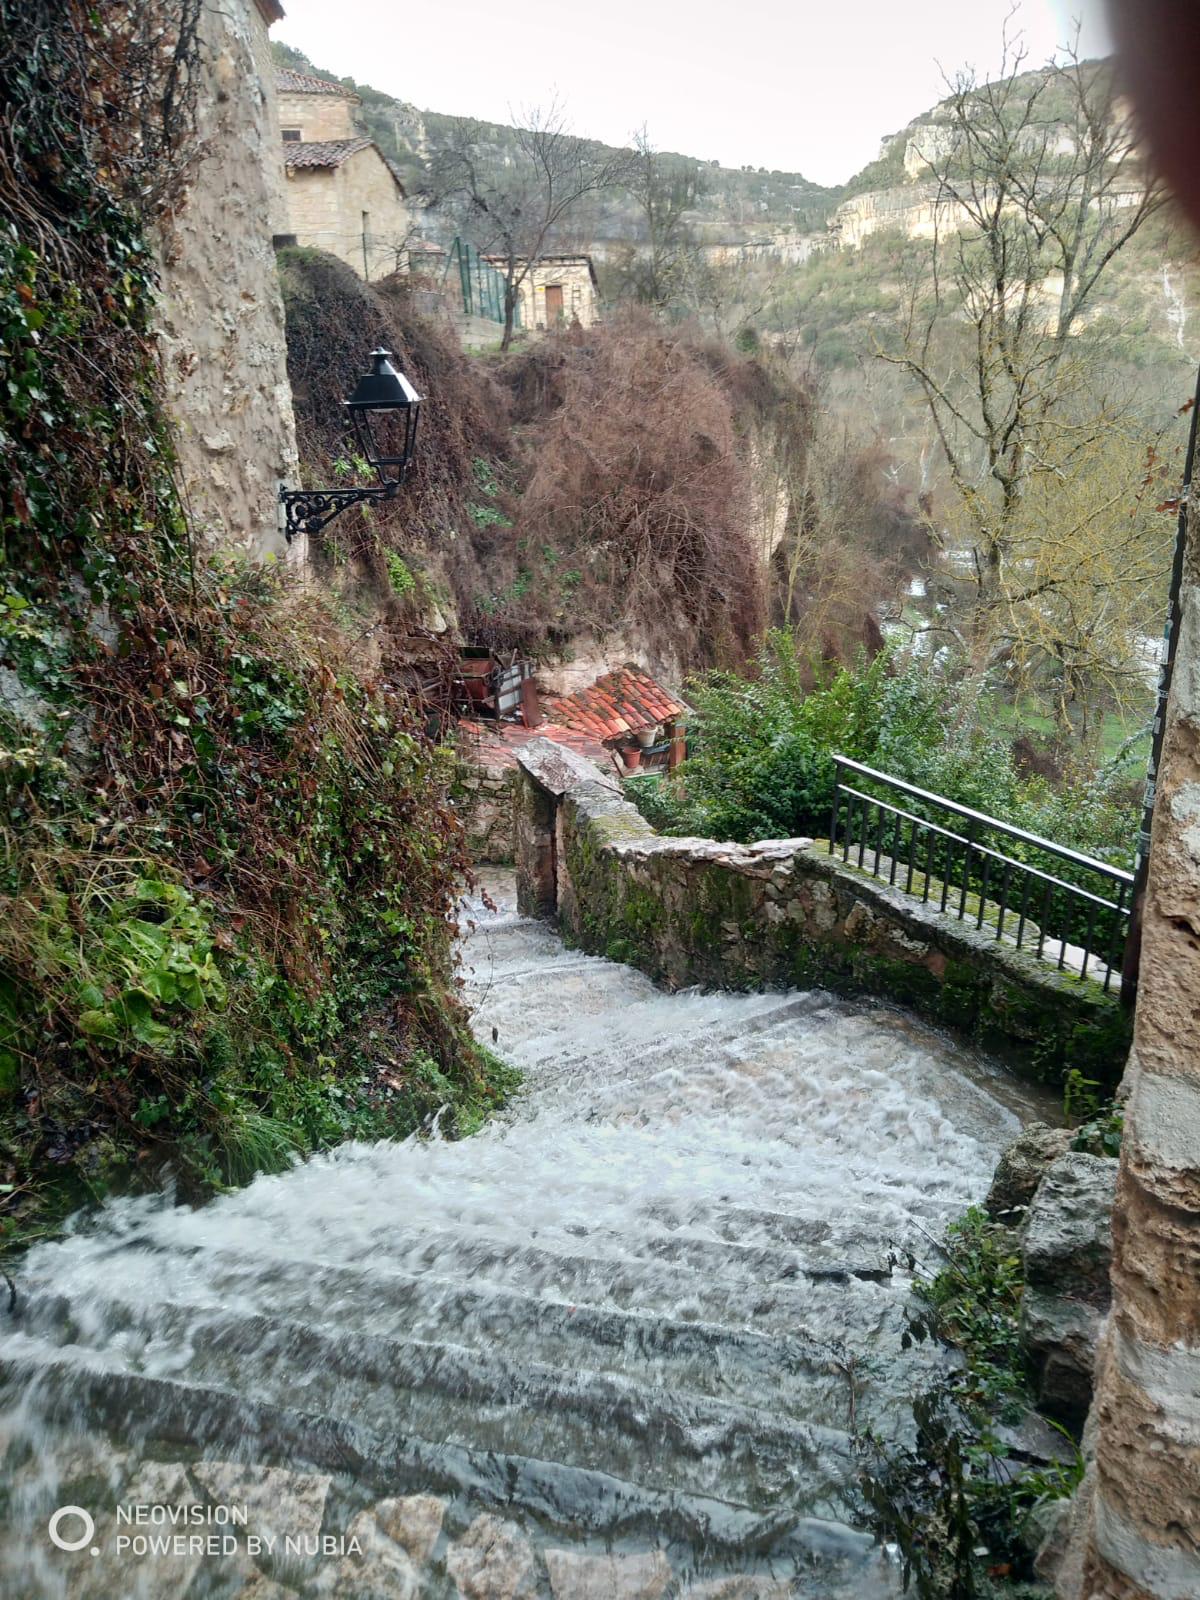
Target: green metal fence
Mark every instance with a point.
(481, 285)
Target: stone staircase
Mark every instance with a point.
(620, 1344)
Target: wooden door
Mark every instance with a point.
(554, 304)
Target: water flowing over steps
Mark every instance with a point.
(619, 1344)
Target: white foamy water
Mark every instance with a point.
(644, 1311)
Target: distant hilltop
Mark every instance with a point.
(745, 213)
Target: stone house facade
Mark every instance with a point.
(559, 289)
(341, 194)
(313, 108)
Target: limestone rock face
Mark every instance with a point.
(1067, 1250)
(1022, 1167)
(1067, 1241)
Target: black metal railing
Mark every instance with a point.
(1072, 908)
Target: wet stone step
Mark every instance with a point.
(444, 1394)
(285, 1451)
(616, 1344)
(800, 1377)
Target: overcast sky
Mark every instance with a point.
(808, 86)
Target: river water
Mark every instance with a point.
(619, 1344)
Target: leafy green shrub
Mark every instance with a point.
(761, 747)
(399, 574)
(760, 761)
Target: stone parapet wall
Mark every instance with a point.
(784, 913)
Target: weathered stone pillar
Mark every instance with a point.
(547, 771)
(221, 312)
(1143, 1538)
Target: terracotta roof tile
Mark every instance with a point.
(619, 703)
(323, 152)
(289, 82)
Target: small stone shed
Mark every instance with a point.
(559, 290)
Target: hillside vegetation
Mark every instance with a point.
(595, 483)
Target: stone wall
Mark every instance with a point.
(1144, 1535)
(328, 115)
(783, 913)
(330, 208)
(487, 809)
(221, 315)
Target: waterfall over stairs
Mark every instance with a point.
(617, 1346)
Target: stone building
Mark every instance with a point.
(342, 196)
(220, 312)
(313, 108)
(559, 289)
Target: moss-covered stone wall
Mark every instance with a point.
(785, 913)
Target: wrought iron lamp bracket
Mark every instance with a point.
(310, 510)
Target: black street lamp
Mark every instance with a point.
(383, 411)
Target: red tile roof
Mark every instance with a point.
(495, 744)
(622, 702)
(289, 82)
(323, 152)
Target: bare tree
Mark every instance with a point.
(517, 203)
(665, 189)
(1035, 187)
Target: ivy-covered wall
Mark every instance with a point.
(228, 859)
(694, 911)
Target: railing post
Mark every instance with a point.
(962, 899)
(833, 818)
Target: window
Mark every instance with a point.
(291, 136)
